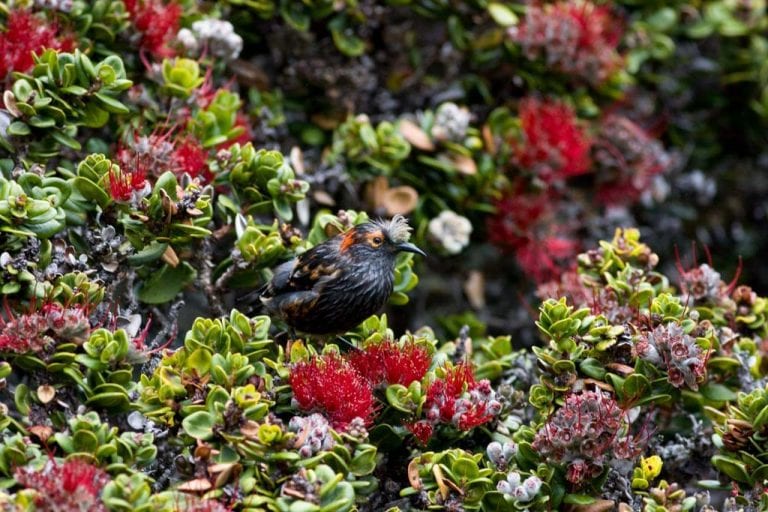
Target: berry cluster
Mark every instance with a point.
(589, 430)
(671, 348)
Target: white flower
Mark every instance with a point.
(451, 231)
(451, 122)
(188, 40)
(218, 37)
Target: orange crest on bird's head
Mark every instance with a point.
(376, 233)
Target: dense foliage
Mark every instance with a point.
(159, 157)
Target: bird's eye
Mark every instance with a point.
(377, 240)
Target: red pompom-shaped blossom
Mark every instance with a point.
(575, 37)
(158, 23)
(331, 386)
(546, 259)
(26, 34)
(389, 363)
(190, 157)
(71, 485)
(555, 147)
(459, 400)
(122, 184)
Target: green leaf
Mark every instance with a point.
(717, 392)
(65, 140)
(199, 425)
(19, 129)
(578, 499)
(148, 254)
(731, 467)
(164, 285)
(110, 104)
(502, 14)
(92, 191)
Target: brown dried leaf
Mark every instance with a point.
(297, 160)
(46, 393)
(400, 200)
(597, 506)
(441, 481)
(42, 432)
(196, 485)
(250, 429)
(490, 144)
(10, 103)
(621, 369)
(324, 198)
(474, 287)
(413, 474)
(415, 135)
(465, 164)
(170, 257)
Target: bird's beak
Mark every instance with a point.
(408, 247)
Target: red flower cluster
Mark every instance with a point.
(24, 35)
(520, 226)
(158, 152)
(555, 147)
(585, 433)
(158, 23)
(627, 158)
(122, 184)
(574, 37)
(190, 157)
(389, 363)
(36, 330)
(457, 399)
(71, 485)
(330, 385)
(547, 258)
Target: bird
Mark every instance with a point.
(331, 288)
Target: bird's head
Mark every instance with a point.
(379, 239)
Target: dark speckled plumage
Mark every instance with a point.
(337, 284)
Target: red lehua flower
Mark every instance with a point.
(26, 34)
(476, 415)
(389, 363)
(421, 430)
(331, 386)
(515, 219)
(158, 23)
(459, 399)
(554, 147)
(459, 379)
(546, 259)
(574, 37)
(71, 485)
(190, 157)
(123, 184)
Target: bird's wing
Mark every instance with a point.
(307, 272)
(313, 268)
